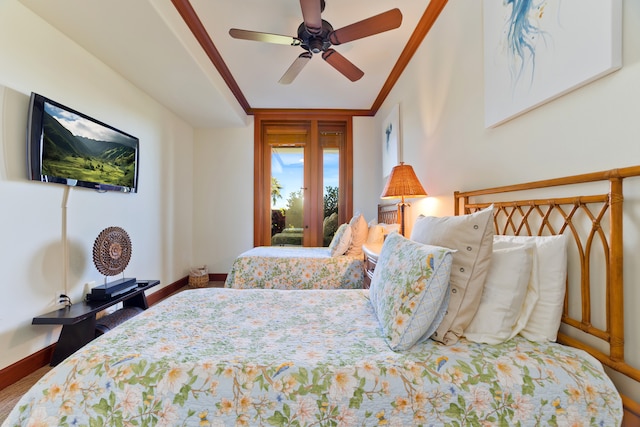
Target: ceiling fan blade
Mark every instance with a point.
(385, 21)
(311, 11)
(295, 68)
(264, 37)
(342, 64)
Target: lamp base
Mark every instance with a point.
(401, 210)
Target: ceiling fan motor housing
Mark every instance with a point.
(315, 43)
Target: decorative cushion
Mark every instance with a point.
(409, 284)
(472, 238)
(503, 295)
(389, 228)
(376, 235)
(359, 232)
(341, 240)
(549, 276)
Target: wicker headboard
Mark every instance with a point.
(388, 213)
(594, 224)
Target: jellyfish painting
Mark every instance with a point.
(523, 33)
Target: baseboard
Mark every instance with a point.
(217, 277)
(631, 412)
(37, 360)
(24, 367)
(167, 290)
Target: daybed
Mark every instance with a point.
(275, 357)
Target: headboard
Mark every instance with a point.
(593, 222)
(388, 213)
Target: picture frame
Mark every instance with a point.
(535, 52)
(391, 143)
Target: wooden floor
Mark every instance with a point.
(10, 395)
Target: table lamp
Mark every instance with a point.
(402, 183)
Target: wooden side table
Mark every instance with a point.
(371, 253)
(79, 320)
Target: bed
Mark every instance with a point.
(289, 267)
(311, 357)
(295, 267)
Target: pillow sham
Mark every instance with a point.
(409, 284)
(549, 277)
(503, 295)
(359, 232)
(472, 238)
(376, 235)
(341, 240)
(389, 228)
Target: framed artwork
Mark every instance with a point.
(390, 141)
(538, 50)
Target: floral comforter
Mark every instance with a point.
(226, 357)
(285, 267)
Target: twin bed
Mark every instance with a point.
(315, 357)
(296, 267)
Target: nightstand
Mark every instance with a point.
(371, 253)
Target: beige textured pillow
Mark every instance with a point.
(359, 232)
(376, 235)
(472, 237)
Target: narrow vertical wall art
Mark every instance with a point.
(538, 50)
(390, 141)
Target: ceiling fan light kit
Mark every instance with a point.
(315, 35)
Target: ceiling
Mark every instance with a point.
(181, 54)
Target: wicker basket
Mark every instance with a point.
(199, 277)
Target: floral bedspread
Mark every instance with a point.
(227, 357)
(286, 267)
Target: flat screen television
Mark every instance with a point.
(67, 147)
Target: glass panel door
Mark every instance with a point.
(331, 140)
(287, 195)
(302, 185)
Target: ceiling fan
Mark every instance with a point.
(316, 35)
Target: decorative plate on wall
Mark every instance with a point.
(112, 251)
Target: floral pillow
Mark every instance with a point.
(409, 285)
(341, 240)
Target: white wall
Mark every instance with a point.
(35, 57)
(594, 128)
(223, 225)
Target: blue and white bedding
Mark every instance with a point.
(286, 267)
(226, 357)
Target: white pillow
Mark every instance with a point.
(341, 240)
(389, 228)
(549, 276)
(472, 237)
(503, 295)
(359, 232)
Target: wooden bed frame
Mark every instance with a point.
(594, 224)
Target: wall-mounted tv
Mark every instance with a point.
(67, 147)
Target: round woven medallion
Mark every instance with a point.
(112, 251)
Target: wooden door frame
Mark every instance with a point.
(262, 187)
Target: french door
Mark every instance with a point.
(303, 185)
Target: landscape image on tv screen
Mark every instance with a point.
(76, 148)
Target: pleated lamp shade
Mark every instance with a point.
(402, 183)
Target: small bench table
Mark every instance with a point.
(79, 320)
